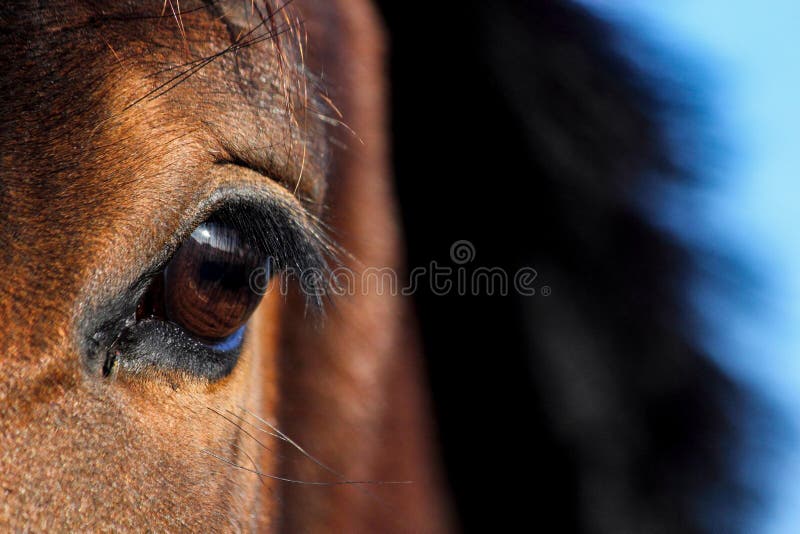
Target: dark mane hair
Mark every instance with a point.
(519, 127)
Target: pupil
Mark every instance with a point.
(229, 276)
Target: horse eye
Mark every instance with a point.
(206, 285)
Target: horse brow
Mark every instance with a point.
(242, 33)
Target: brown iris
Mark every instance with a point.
(206, 284)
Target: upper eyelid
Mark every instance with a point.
(259, 168)
(269, 196)
(305, 182)
(279, 223)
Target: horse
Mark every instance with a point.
(190, 194)
(154, 154)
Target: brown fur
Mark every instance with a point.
(96, 180)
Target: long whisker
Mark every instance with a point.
(198, 65)
(302, 482)
(245, 421)
(251, 436)
(294, 444)
(252, 461)
(182, 76)
(281, 435)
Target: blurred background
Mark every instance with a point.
(641, 156)
(742, 60)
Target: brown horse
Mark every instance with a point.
(154, 155)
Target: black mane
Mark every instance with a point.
(520, 128)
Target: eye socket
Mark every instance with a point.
(187, 310)
(205, 288)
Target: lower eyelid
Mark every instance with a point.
(156, 344)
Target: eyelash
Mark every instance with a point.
(286, 233)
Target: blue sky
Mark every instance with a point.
(745, 56)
